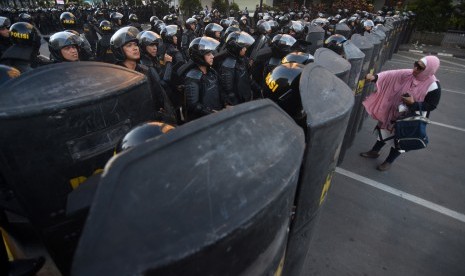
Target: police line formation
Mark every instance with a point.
(222, 138)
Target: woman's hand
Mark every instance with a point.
(408, 100)
(370, 77)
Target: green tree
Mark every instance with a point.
(432, 15)
(457, 20)
(189, 7)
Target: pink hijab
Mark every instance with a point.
(383, 105)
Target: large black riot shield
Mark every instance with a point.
(60, 124)
(343, 29)
(387, 32)
(392, 23)
(367, 48)
(327, 101)
(212, 197)
(382, 51)
(334, 63)
(315, 35)
(356, 58)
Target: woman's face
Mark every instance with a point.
(418, 67)
(152, 50)
(70, 53)
(209, 58)
(131, 50)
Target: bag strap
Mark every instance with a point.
(381, 136)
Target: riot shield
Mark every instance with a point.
(366, 47)
(382, 51)
(356, 58)
(60, 124)
(211, 197)
(327, 101)
(334, 63)
(343, 29)
(387, 32)
(315, 35)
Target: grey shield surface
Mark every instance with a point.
(61, 123)
(334, 63)
(327, 102)
(212, 197)
(315, 35)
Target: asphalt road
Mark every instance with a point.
(409, 220)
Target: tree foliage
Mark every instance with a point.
(432, 15)
(189, 7)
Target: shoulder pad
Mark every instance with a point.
(194, 74)
(229, 62)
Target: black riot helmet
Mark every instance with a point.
(297, 28)
(336, 43)
(22, 33)
(274, 26)
(8, 73)
(234, 23)
(282, 44)
(211, 29)
(105, 27)
(133, 18)
(68, 20)
(115, 18)
(60, 40)
(201, 46)
(141, 134)
(207, 19)
(153, 20)
(225, 23)
(121, 38)
(168, 33)
(4, 22)
(228, 31)
(298, 57)
(236, 41)
(25, 17)
(147, 38)
(159, 25)
(282, 87)
(191, 21)
(263, 27)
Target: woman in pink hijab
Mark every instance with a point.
(391, 99)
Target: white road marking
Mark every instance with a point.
(453, 91)
(448, 126)
(425, 203)
(442, 60)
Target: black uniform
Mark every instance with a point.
(187, 36)
(202, 93)
(24, 58)
(104, 52)
(5, 43)
(237, 86)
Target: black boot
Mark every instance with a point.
(374, 152)
(393, 154)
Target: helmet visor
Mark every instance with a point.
(244, 39)
(170, 30)
(206, 43)
(284, 40)
(297, 27)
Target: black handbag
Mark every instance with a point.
(410, 132)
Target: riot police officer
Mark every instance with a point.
(5, 42)
(336, 43)
(134, 21)
(64, 46)
(201, 83)
(170, 40)
(188, 35)
(125, 47)
(104, 52)
(213, 30)
(149, 43)
(24, 53)
(236, 83)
